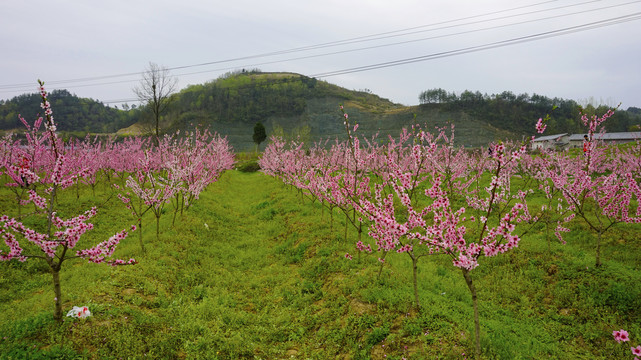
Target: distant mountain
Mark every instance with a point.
(299, 107)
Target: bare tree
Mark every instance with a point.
(154, 90)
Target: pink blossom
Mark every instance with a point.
(465, 262)
(540, 126)
(621, 335)
(636, 351)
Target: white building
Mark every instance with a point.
(576, 140)
(555, 142)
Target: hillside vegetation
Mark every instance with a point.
(295, 106)
(75, 115)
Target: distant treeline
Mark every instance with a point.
(519, 113)
(237, 100)
(72, 113)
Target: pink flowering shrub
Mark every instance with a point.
(598, 188)
(177, 170)
(56, 243)
(418, 195)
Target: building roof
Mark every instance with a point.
(550, 137)
(609, 136)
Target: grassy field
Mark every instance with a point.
(252, 272)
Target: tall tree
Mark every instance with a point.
(259, 134)
(154, 90)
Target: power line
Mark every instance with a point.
(280, 52)
(488, 46)
(493, 45)
(371, 37)
(402, 32)
(413, 40)
(461, 51)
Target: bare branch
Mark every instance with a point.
(155, 90)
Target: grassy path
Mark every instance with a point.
(240, 283)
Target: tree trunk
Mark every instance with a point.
(173, 221)
(346, 220)
(19, 207)
(598, 249)
(415, 280)
(331, 220)
(547, 234)
(157, 227)
(55, 272)
(19, 197)
(157, 118)
(360, 231)
(380, 269)
(142, 245)
(477, 324)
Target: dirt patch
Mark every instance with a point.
(129, 291)
(565, 312)
(360, 308)
(291, 352)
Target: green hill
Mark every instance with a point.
(299, 107)
(296, 106)
(73, 114)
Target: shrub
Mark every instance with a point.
(249, 166)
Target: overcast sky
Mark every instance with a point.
(589, 51)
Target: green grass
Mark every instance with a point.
(265, 279)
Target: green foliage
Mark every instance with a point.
(259, 133)
(519, 113)
(232, 104)
(247, 162)
(247, 96)
(300, 107)
(249, 166)
(378, 335)
(73, 114)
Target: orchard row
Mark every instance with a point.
(420, 195)
(176, 168)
